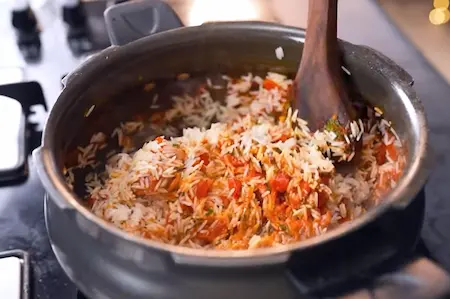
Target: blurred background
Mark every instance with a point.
(410, 16)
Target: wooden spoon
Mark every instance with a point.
(320, 92)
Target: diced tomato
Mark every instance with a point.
(235, 184)
(284, 137)
(159, 139)
(212, 232)
(205, 158)
(381, 155)
(295, 200)
(392, 151)
(266, 241)
(225, 201)
(203, 188)
(232, 160)
(281, 182)
(307, 226)
(269, 84)
(187, 209)
(251, 173)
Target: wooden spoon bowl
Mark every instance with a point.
(320, 93)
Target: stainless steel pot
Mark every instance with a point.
(104, 261)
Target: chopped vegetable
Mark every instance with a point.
(205, 158)
(217, 228)
(334, 126)
(235, 184)
(283, 227)
(269, 84)
(232, 160)
(203, 187)
(280, 182)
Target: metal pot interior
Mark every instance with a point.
(115, 83)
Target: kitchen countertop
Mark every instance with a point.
(411, 16)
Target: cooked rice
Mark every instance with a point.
(279, 53)
(255, 177)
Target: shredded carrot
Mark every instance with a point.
(392, 151)
(305, 187)
(175, 183)
(326, 219)
(233, 161)
(225, 201)
(235, 184)
(295, 200)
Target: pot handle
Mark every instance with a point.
(379, 61)
(50, 188)
(130, 21)
(276, 259)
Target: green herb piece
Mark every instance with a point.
(283, 227)
(333, 125)
(209, 212)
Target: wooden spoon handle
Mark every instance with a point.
(322, 31)
(320, 91)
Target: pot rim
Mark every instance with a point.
(408, 186)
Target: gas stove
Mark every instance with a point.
(33, 271)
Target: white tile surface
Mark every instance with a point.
(10, 278)
(56, 57)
